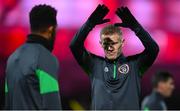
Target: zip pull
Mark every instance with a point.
(114, 72)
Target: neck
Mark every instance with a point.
(44, 35)
(160, 92)
(118, 57)
(35, 38)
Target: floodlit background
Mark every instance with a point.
(161, 18)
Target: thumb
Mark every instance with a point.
(104, 21)
(120, 25)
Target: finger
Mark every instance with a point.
(104, 12)
(129, 14)
(105, 20)
(98, 6)
(127, 10)
(125, 13)
(103, 6)
(123, 8)
(105, 9)
(119, 12)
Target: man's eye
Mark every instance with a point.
(114, 43)
(106, 43)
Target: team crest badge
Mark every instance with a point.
(106, 69)
(124, 69)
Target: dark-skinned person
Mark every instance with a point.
(32, 70)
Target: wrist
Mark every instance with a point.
(90, 24)
(136, 28)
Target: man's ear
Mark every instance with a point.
(50, 29)
(123, 42)
(100, 42)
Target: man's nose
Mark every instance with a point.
(110, 48)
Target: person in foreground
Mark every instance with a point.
(32, 71)
(115, 79)
(163, 86)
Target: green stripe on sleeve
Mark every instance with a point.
(6, 87)
(146, 109)
(47, 83)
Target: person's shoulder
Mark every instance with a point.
(151, 102)
(148, 102)
(23, 50)
(150, 99)
(132, 57)
(97, 57)
(43, 51)
(26, 54)
(30, 47)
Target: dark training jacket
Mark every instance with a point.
(155, 101)
(31, 77)
(114, 85)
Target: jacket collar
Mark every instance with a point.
(34, 38)
(158, 95)
(121, 58)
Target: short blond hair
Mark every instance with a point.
(110, 29)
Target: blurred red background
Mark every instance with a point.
(161, 18)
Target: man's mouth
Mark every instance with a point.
(110, 53)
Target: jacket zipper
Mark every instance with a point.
(114, 73)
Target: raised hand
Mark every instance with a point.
(97, 17)
(128, 20)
